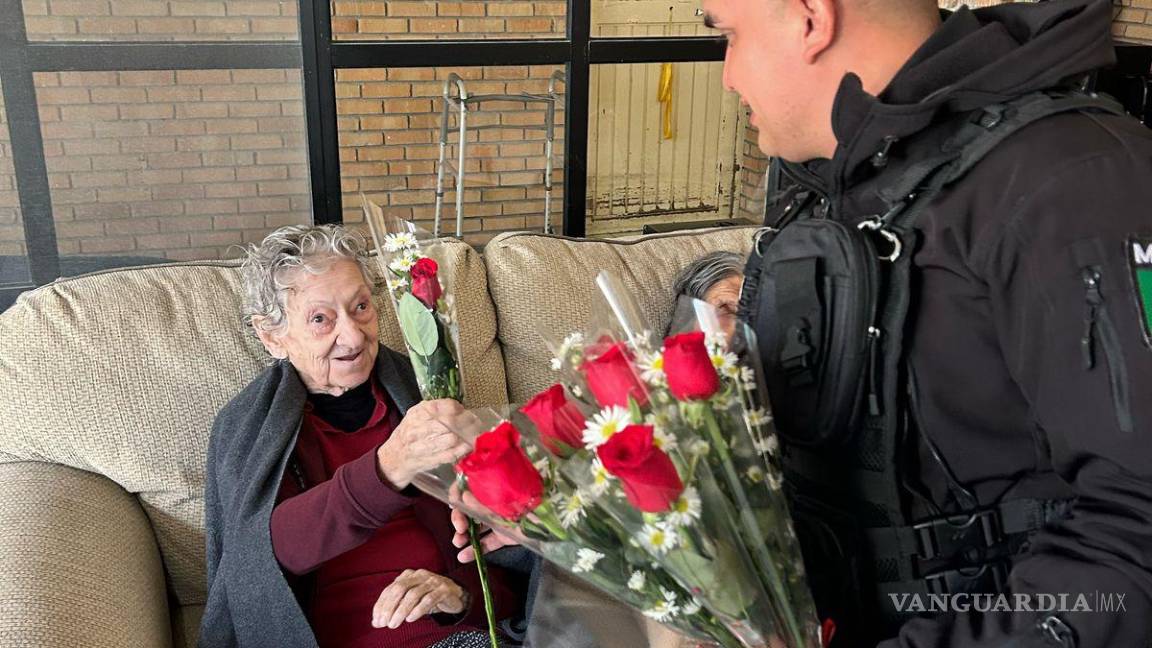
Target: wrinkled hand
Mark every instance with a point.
(424, 439)
(490, 539)
(414, 594)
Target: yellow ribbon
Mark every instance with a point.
(664, 95)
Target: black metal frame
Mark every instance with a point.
(578, 51)
(319, 56)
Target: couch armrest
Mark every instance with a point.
(79, 562)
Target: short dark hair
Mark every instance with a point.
(707, 271)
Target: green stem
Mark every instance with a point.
(482, 568)
(759, 545)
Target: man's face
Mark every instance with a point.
(763, 64)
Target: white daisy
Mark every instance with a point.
(557, 364)
(686, 509)
(724, 361)
(662, 439)
(586, 559)
(396, 283)
(652, 368)
(636, 581)
(691, 607)
(402, 264)
(608, 422)
(576, 391)
(601, 479)
(716, 341)
(571, 509)
(665, 609)
(732, 371)
(571, 343)
(769, 445)
(756, 417)
(658, 538)
(755, 474)
(400, 241)
(542, 466)
(699, 448)
(775, 481)
(748, 377)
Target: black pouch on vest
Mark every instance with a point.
(811, 296)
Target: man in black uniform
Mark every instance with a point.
(1025, 380)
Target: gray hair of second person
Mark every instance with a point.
(703, 273)
(270, 267)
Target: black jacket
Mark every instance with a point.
(1028, 382)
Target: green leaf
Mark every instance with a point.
(634, 411)
(418, 325)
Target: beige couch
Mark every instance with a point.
(109, 384)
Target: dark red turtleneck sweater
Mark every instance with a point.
(353, 534)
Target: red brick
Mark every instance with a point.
(254, 110)
(132, 226)
(147, 111)
(162, 241)
(411, 8)
(222, 26)
(103, 246)
(185, 8)
(165, 26)
(138, 8)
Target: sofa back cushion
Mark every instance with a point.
(545, 286)
(122, 373)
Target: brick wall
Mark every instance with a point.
(11, 231)
(179, 165)
(468, 19)
(161, 20)
(389, 142)
(1133, 21)
(750, 180)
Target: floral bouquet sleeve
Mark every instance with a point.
(653, 477)
(408, 258)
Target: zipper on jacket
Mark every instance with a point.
(1099, 331)
(874, 369)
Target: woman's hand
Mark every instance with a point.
(490, 540)
(414, 594)
(423, 440)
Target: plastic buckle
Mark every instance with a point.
(988, 578)
(962, 537)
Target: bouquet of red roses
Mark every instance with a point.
(650, 471)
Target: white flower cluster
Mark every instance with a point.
(586, 560)
(403, 263)
(399, 241)
(571, 352)
(669, 606)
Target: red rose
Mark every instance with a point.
(612, 377)
(560, 422)
(500, 474)
(425, 283)
(650, 479)
(688, 366)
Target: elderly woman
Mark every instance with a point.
(715, 278)
(314, 534)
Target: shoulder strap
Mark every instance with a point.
(977, 137)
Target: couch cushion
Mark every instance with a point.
(544, 285)
(122, 372)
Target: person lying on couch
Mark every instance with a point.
(314, 534)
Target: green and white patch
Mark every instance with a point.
(1140, 260)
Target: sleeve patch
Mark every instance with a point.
(1140, 261)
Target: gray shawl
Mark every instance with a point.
(249, 600)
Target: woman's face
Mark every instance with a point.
(330, 331)
(724, 296)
